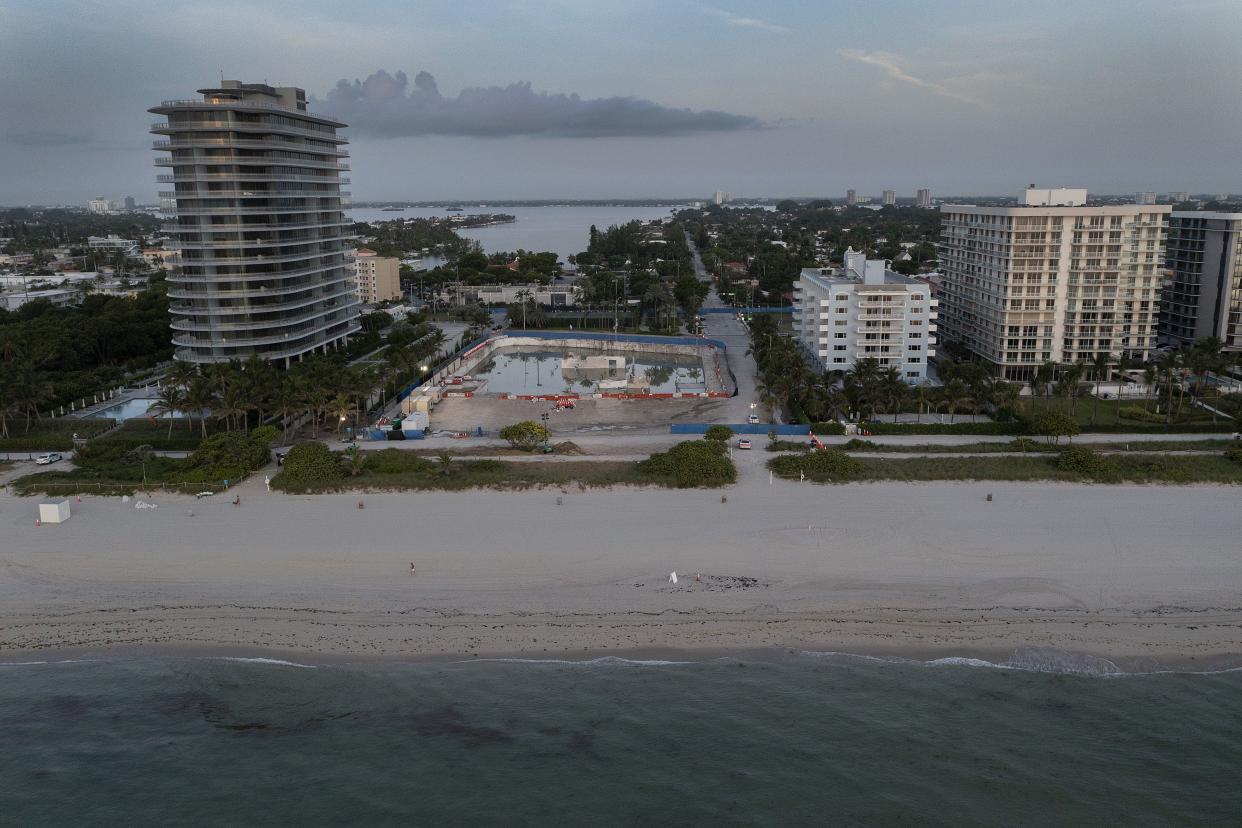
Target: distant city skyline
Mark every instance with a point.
(580, 99)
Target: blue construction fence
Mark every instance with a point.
(781, 429)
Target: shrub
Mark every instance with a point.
(1023, 444)
(691, 464)
(1137, 412)
(1234, 455)
(395, 461)
(788, 445)
(310, 464)
(1084, 461)
(230, 455)
(829, 464)
(854, 444)
(718, 432)
(1052, 424)
(525, 435)
(831, 427)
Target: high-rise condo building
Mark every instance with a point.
(924, 197)
(888, 198)
(264, 241)
(1144, 198)
(865, 311)
(1204, 294)
(1051, 280)
(851, 198)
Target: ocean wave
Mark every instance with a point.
(273, 661)
(602, 661)
(37, 663)
(1033, 660)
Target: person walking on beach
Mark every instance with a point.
(267, 481)
(411, 567)
(236, 500)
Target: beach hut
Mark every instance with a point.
(54, 512)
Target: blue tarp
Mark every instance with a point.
(782, 429)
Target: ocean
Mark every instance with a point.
(562, 229)
(786, 739)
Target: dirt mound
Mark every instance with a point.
(567, 447)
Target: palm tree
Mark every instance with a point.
(342, 407)
(896, 391)
(955, 393)
(285, 403)
(171, 400)
(199, 398)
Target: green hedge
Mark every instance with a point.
(47, 434)
(691, 464)
(829, 428)
(1012, 428)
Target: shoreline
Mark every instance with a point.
(1031, 659)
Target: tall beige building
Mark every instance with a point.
(1051, 280)
(378, 277)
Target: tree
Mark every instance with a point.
(171, 399)
(525, 435)
(1053, 425)
(954, 395)
(721, 433)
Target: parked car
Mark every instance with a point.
(753, 419)
(743, 443)
(48, 459)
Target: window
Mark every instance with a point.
(914, 347)
(843, 297)
(842, 322)
(913, 359)
(842, 310)
(916, 335)
(912, 374)
(838, 360)
(839, 347)
(839, 335)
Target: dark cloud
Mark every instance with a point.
(46, 138)
(387, 106)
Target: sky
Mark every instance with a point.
(648, 98)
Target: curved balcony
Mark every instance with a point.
(179, 229)
(262, 127)
(222, 325)
(251, 244)
(256, 211)
(292, 192)
(248, 160)
(326, 290)
(273, 146)
(342, 298)
(199, 278)
(190, 261)
(272, 178)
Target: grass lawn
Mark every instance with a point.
(1130, 468)
(141, 431)
(1094, 411)
(1032, 445)
(48, 434)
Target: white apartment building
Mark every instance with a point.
(99, 205)
(865, 311)
(924, 197)
(114, 244)
(1051, 280)
(888, 198)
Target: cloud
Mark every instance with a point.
(741, 22)
(888, 63)
(384, 105)
(46, 138)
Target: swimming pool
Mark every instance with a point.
(136, 407)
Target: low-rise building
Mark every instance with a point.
(552, 296)
(378, 278)
(114, 244)
(865, 311)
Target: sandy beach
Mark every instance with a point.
(1145, 575)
